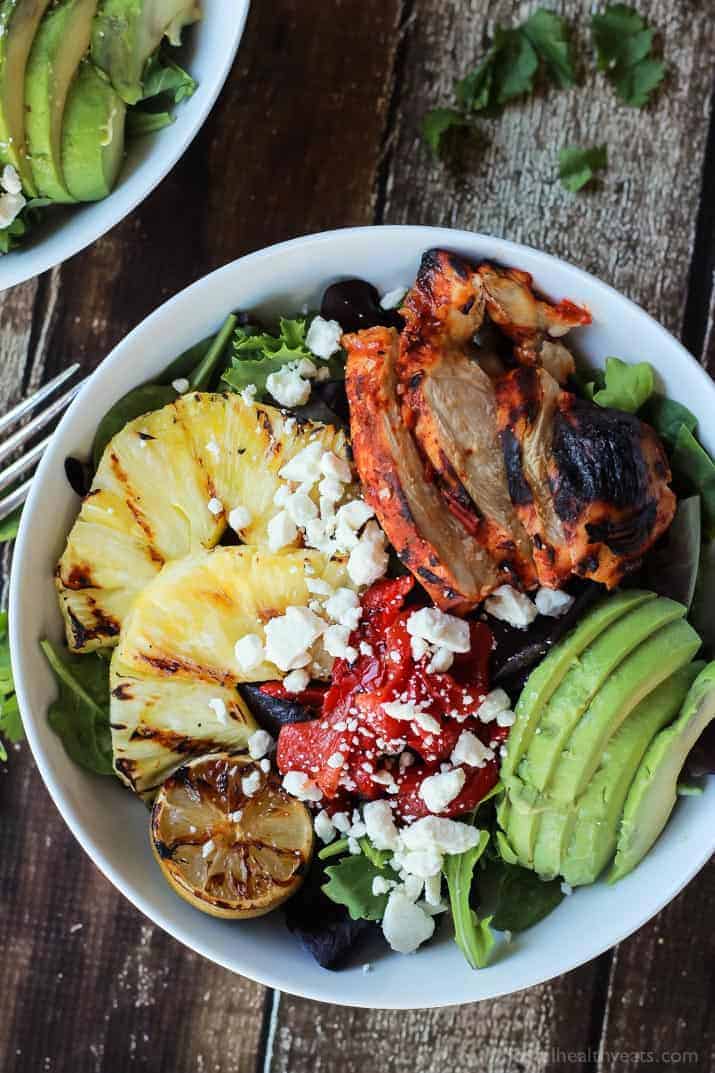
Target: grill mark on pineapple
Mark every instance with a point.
(173, 742)
(133, 499)
(104, 626)
(172, 665)
(122, 692)
(79, 577)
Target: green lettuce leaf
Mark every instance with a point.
(140, 123)
(472, 934)
(628, 387)
(164, 76)
(80, 715)
(548, 34)
(667, 416)
(694, 467)
(350, 884)
(624, 44)
(577, 166)
(671, 569)
(522, 897)
(10, 722)
(257, 354)
(9, 526)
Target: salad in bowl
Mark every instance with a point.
(392, 611)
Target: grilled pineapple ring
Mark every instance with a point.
(175, 658)
(149, 502)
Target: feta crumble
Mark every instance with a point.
(471, 751)
(381, 829)
(259, 744)
(509, 605)
(553, 602)
(251, 783)
(439, 791)
(239, 518)
(324, 827)
(335, 467)
(393, 299)
(300, 785)
(215, 506)
(282, 531)
(296, 681)
(305, 466)
(368, 559)
(249, 651)
(323, 338)
(405, 925)
(494, 702)
(290, 636)
(288, 387)
(440, 629)
(181, 386)
(218, 707)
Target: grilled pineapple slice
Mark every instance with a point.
(176, 658)
(149, 503)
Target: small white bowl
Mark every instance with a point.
(113, 827)
(209, 51)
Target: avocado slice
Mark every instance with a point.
(579, 843)
(636, 677)
(127, 32)
(544, 679)
(19, 20)
(597, 663)
(92, 135)
(653, 792)
(60, 43)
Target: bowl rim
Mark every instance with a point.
(121, 201)
(672, 885)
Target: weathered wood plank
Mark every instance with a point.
(636, 230)
(292, 146)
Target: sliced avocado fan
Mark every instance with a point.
(60, 43)
(127, 32)
(653, 792)
(19, 20)
(92, 135)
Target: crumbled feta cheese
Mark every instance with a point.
(471, 751)
(305, 466)
(301, 508)
(249, 651)
(330, 490)
(251, 783)
(381, 829)
(11, 181)
(282, 530)
(323, 338)
(494, 702)
(215, 507)
(298, 784)
(239, 518)
(566, 888)
(296, 681)
(368, 560)
(336, 760)
(438, 628)
(423, 863)
(181, 386)
(344, 607)
(366, 649)
(411, 712)
(248, 395)
(289, 637)
(259, 744)
(342, 822)
(318, 586)
(11, 205)
(338, 468)
(353, 846)
(307, 368)
(392, 299)
(438, 791)
(509, 605)
(218, 707)
(404, 925)
(324, 827)
(419, 648)
(433, 889)
(237, 816)
(335, 640)
(288, 387)
(380, 885)
(506, 718)
(264, 765)
(441, 661)
(349, 519)
(553, 602)
(441, 834)
(208, 848)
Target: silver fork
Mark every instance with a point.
(26, 433)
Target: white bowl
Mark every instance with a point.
(208, 53)
(112, 826)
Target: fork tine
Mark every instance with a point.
(26, 405)
(27, 431)
(17, 468)
(14, 500)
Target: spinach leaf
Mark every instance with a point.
(9, 526)
(141, 123)
(672, 567)
(141, 400)
(666, 416)
(628, 387)
(204, 373)
(472, 934)
(350, 884)
(695, 468)
(701, 614)
(522, 897)
(10, 722)
(80, 715)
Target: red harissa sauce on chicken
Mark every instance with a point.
(354, 751)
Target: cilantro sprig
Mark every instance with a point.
(578, 166)
(624, 52)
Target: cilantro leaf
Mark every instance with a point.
(10, 722)
(577, 166)
(628, 387)
(507, 71)
(80, 715)
(548, 34)
(624, 43)
(437, 123)
(694, 467)
(472, 934)
(350, 884)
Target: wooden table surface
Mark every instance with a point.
(318, 127)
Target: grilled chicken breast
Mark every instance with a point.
(590, 484)
(448, 402)
(534, 324)
(444, 556)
